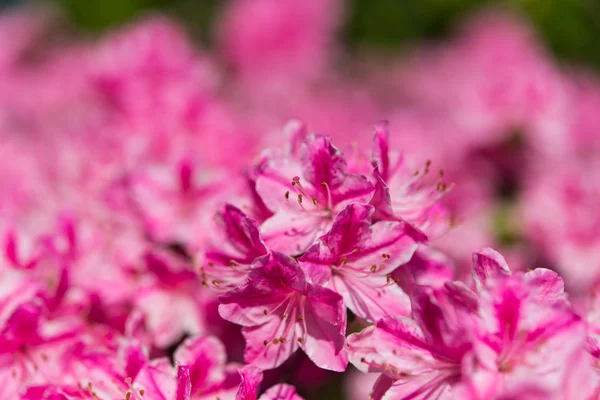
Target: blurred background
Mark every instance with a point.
(501, 96)
(569, 27)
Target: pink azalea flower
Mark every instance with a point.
(281, 311)
(305, 192)
(356, 260)
(509, 339)
(403, 192)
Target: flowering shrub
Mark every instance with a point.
(168, 230)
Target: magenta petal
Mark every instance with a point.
(488, 264)
(252, 377)
(351, 227)
(381, 147)
(322, 162)
(293, 232)
(205, 358)
(362, 352)
(159, 379)
(271, 344)
(243, 232)
(402, 342)
(372, 297)
(184, 386)
(354, 189)
(547, 285)
(324, 326)
(382, 201)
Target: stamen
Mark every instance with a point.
(275, 341)
(265, 312)
(299, 188)
(373, 268)
(265, 342)
(329, 202)
(300, 318)
(287, 195)
(314, 199)
(127, 395)
(300, 340)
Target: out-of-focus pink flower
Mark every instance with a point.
(266, 39)
(356, 260)
(170, 299)
(306, 191)
(281, 312)
(562, 218)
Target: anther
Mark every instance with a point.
(265, 311)
(314, 199)
(300, 318)
(282, 340)
(265, 342)
(127, 395)
(300, 340)
(275, 341)
(373, 268)
(215, 282)
(284, 316)
(300, 198)
(142, 392)
(287, 195)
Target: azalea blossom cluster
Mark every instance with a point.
(180, 224)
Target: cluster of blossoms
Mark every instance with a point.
(163, 238)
